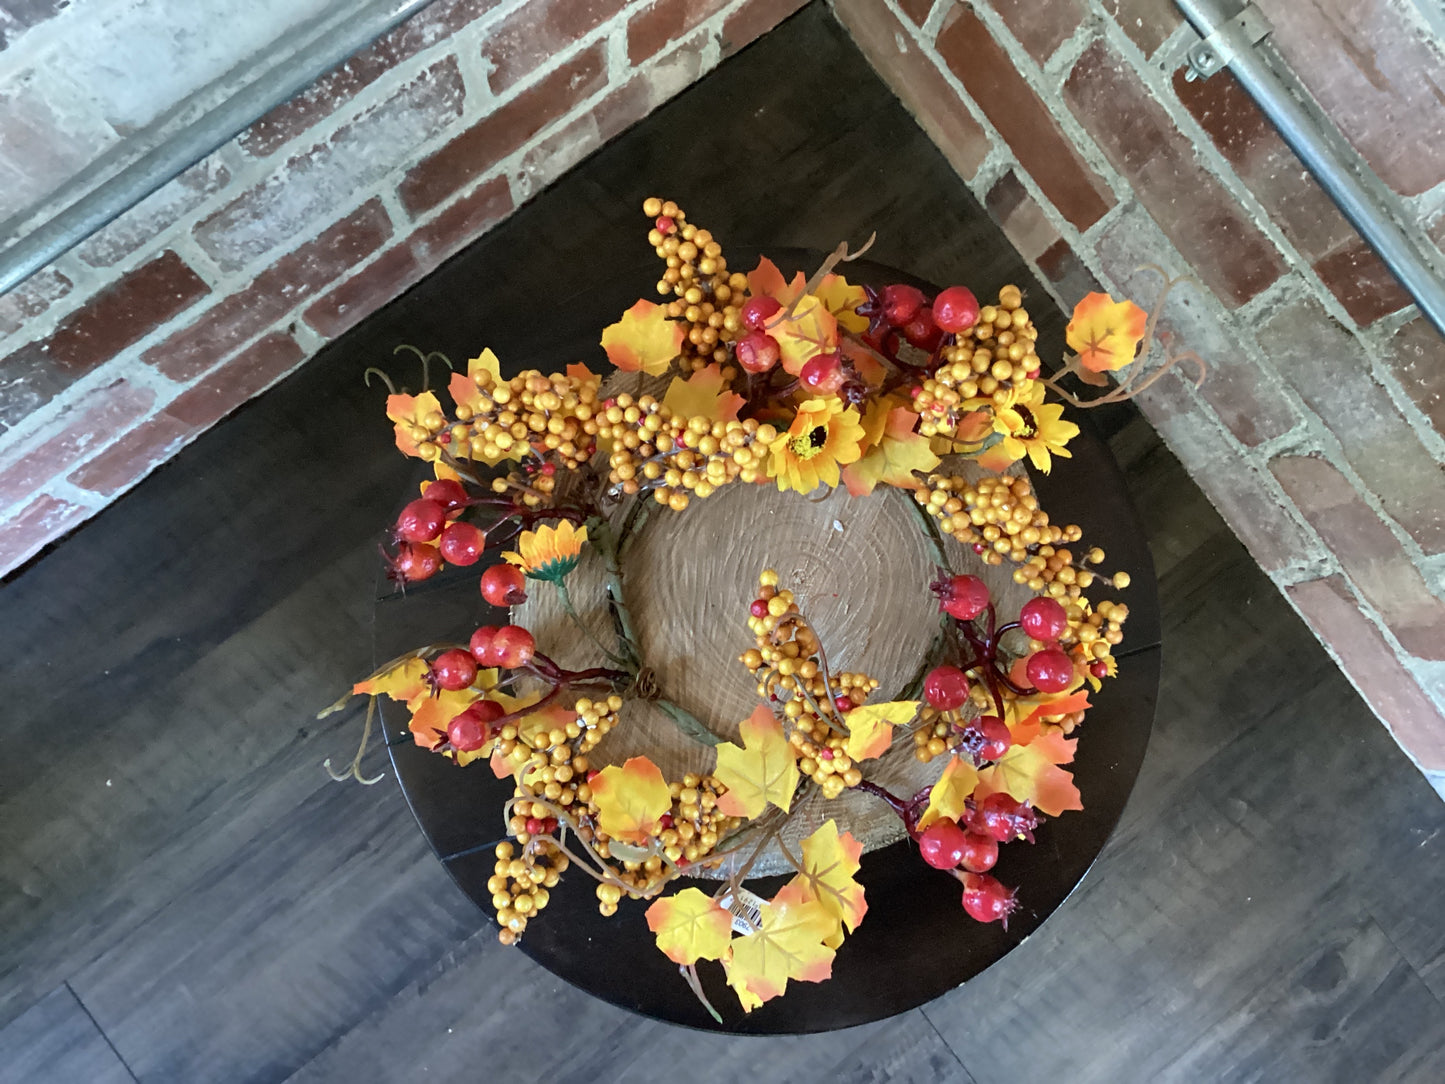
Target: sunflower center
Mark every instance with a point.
(1030, 426)
(807, 445)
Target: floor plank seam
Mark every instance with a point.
(923, 1011)
(102, 1033)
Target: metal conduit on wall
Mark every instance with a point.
(119, 193)
(1232, 37)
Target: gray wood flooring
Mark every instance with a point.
(185, 897)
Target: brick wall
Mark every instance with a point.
(1320, 432)
(229, 277)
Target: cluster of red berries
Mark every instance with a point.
(429, 535)
(970, 845)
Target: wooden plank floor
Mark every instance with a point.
(185, 897)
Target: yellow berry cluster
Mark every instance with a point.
(556, 414)
(1000, 516)
(706, 297)
(935, 734)
(679, 457)
(520, 884)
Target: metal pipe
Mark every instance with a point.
(201, 137)
(1301, 132)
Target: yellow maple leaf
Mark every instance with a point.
(1105, 332)
(766, 280)
(690, 926)
(808, 331)
(402, 682)
(764, 770)
(842, 297)
(893, 455)
(410, 412)
(631, 799)
(788, 946)
(958, 781)
(704, 394)
(870, 728)
(643, 339)
(1031, 773)
(830, 859)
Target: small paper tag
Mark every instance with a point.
(747, 916)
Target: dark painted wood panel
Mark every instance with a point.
(56, 1042)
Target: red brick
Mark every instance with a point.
(990, 78)
(667, 21)
(1071, 280)
(118, 316)
(1417, 357)
(461, 223)
(621, 108)
(1147, 22)
(134, 456)
(1248, 499)
(306, 191)
(1241, 392)
(1373, 668)
(917, 82)
(154, 214)
(435, 22)
(85, 425)
(528, 39)
(31, 298)
(365, 292)
(754, 19)
(1040, 25)
(501, 133)
(917, 10)
(1329, 368)
(1378, 72)
(1369, 553)
(1226, 250)
(240, 378)
(276, 291)
(39, 524)
(1021, 218)
(1308, 217)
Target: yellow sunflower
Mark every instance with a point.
(823, 436)
(1031, 427)
(548, 553)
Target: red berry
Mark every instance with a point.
(995, 737)
(473, 728)
(1002, 817)
(965, 597)
(480, 645)
(979, 853)
(416, 561)
(454, 669)
(757, 351)
(986, 900)
(664, 224)
(665, 821)
(942, 844)
(504, 585)
(1050, 670)
(447, 492)
(922, 332)
(535, 826)
(593, 774)
(462, 544)
(1099, 669)
(513, 646)
(945, 687)
(1043, 619)
(759, 608)
(757, 311)
(825, 753)
(901, 303)
(823, 374)
(421, 521)
(956, 309)
(843, 703)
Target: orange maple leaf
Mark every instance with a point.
(842, 298)
(766, 280)
(690, 926)
(764, 770)
(1105, 332)
(409, 412)
(830, 859)
(403, 681)
(704, 394)
(643, 339)
(788, 946)
(809, 330)
(1031, 773)
(631, 799)
(893, 454)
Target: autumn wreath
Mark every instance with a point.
(805, 385)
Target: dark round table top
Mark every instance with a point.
(916, 943)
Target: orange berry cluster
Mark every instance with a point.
(999, 516)
(706, 297)
(555, 415)
(935, 734)
(520, 884)
(787, 664)
(679, 457)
